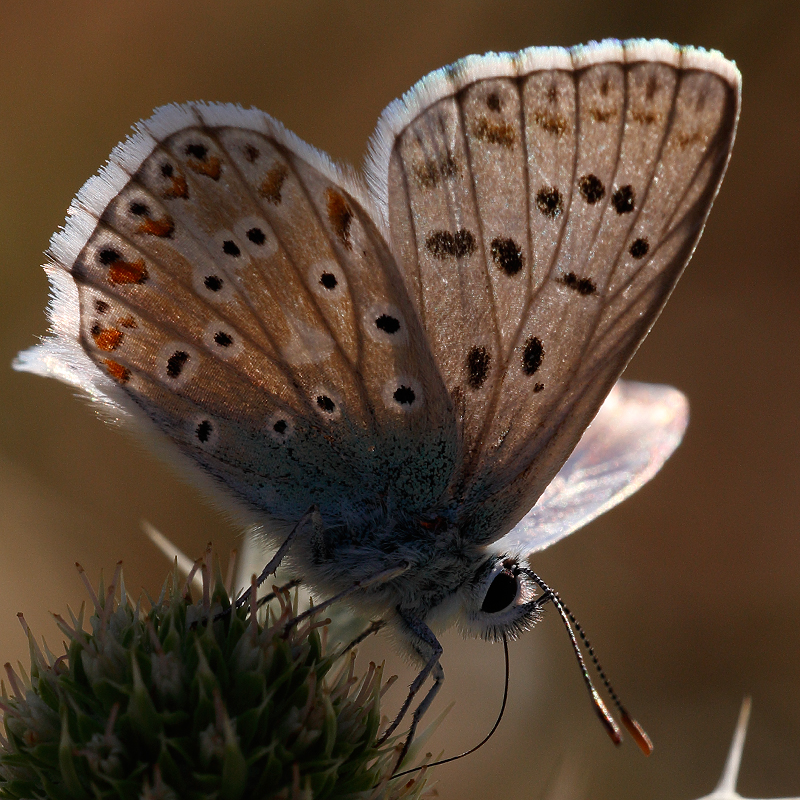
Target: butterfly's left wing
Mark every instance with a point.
(636, 430)
(542, 206)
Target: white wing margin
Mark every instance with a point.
(635, 431)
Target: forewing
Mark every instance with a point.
(222, 280)
(635, 431)
(542, 206)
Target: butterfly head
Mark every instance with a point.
(500, 599)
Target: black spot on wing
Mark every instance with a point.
(532, 355)
(507, 254)
(387, 323)
(213, 283)
(328, 280)
(256, 236)
(230, 248)
(477, 367)
(592, 189)
(326, 404)
(404, 395)
(204, 430)
(549, 201)
(444, 244)
(624, 199)
(584, 286)
(176, 363)
(639, 248)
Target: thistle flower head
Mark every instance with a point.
(194, 698)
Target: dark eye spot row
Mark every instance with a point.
(549, 201)
(176, 362)
(328, 280)
(109, 256)
(592, 189)
(584, 286)
(198, 151)
(204, 430)
(532, 355)
(507, 254)
(230, 248)
(326, 404)
(444, 244)
(256, 236)
(280, 426)
(213, 283)
(493, 102)
(624, 199)
(387, 324)
(404, 395)
(478, 361)
(223, 339)
(639, 248)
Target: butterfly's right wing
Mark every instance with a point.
(636, 430)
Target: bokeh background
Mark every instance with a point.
(690, 590)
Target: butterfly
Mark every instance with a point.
(408, 379)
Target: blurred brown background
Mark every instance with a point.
(690, 590)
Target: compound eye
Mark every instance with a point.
(501, 594)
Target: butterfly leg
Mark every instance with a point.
(379, 577)
(374, 627)
(311, 515)
(429, 648)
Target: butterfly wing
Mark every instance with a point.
(635, 431)
(224, 281)
(542, 206)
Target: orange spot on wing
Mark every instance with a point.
(177, 187)
(550, 123)
(340, 216)
(117, 371)
(122, 272)
(270, 188)
(210, 167)
(157, 227)
(501, 133)
(685, 139)
(645, 117)
(107, 338)
(601, 115)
